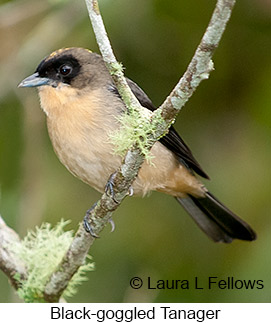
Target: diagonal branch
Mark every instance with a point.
(201, 64)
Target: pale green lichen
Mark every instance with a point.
(135, 129)
(42, 250)
(115, 68)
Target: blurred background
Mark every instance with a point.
(226, 124)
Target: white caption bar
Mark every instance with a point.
(136, 312)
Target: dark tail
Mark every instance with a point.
(217, 221)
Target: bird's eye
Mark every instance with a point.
(65, 70)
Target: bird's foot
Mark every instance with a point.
(86, 223)
(88, 226)
(109, 187)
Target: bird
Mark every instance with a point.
(83, 106)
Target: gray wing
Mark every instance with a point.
(172, 139)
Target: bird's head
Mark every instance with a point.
(69, 78)
(74, 67)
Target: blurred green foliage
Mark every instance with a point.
(226, 123)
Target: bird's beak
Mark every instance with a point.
(34, 80)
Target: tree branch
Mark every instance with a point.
(114, 67)
(201, 64)
(11, 265)
(198, 70)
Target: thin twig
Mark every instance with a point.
(115, 68)
(198, 70)
(201, 64)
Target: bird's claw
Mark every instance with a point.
(109, 187)
(86, 223)
(130, 191)
(110, 220)
(88, 226)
